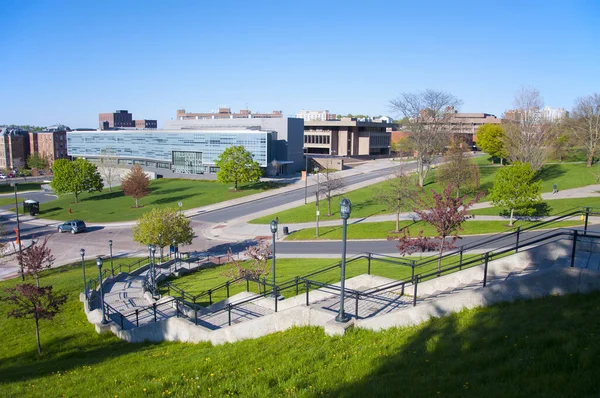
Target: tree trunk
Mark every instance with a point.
(439, 268)
(329, 206)
(235, 187)
(37, 334)
(590, 160)
(420, 169)
(37, 280)
(76, 197)
(398, 221)
(136, 202)
(512, 211)
(501, 161)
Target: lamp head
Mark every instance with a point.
(82, 252)
(99, 262)
(273, 226)
(110, 242)
(345, 208)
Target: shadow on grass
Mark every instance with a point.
(550, 172)
(50, 210)
(163, 191)
(262, 185)
(104, 196)
(173, 199)
(236, 247)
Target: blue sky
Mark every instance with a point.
(66, 61)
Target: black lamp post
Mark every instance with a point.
(112, 270)
(101, 292)
(18, 229)
(175, 253)
(82, 252)
(345, 209)
(160, 246)
(151, 270)
(274, 232)
(152, 252)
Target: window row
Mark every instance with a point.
(317, 139)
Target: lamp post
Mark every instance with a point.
(82, 252)
(160, 246)
(345, 209)
(274, 232)
(317, 202)
(152, 251)
(112, 270)
(101, 292)
(175, 253)
(151, 270)
(18, 229)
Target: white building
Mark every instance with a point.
(552, 114)
(316, 115)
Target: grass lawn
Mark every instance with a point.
(382, 230)
(21, 187)
(545, 347)
(108, 206)
(364, 203)
(556, 206)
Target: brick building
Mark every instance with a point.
(120, 118)
(14, 147)
(225, 113)
(145, 124)
(50, 144)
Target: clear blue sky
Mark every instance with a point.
(66, 61)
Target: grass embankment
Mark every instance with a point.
(555, 206)
(545, 347)
(108, 206)
(365, 204)
(382, 230)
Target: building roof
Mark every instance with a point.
(344, 122)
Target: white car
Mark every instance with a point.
(2, 176)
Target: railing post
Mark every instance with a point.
(176, 308)
(416, 282)
(275, 297)
(412, 272)
(195, 312)
(229, 314)
(461, 257)
(574, 248)
(209, 297)
(247, 284)
(154, 307)
(227, 285)
(485, 268)
(518, 238)
(137, 318)
(369, 263)
(169, 288)
(258, 285)
(307, 287)
(587, 216)
(402, 291)
(265, 285)
(296, 286)
(356, 305)
(122, 328)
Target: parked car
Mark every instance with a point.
(2, 176)
(74, 226)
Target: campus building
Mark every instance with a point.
(14, 147)
(346, 137)
(316, 115)
(51, 143)
(225, 113)
(122, 118)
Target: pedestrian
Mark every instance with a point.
(555, 188)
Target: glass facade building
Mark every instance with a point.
(184, 151)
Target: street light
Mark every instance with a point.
(306, 179)
(175, 253)
(274, 231)
(153, 262)
(101, 292)
(112, 270)
(345, 210)
(82, 252)
(160, 246)
(316, 169)
(18, 230)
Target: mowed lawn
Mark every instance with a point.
(108, 206)
(365, 203)
(545, 347)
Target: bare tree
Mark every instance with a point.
(585, 124)
(527, 136)
(108, 166)
(427, 115)
(329, 186)
(255, 267)
(399, 194)
(135, 184)
(458, 170)
(35, 259)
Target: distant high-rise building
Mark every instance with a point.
(225, 113)
(316, 115)
(120, 118)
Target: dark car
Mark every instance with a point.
(72, 226)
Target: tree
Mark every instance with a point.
(331, 184)
(526, 134)
(75, 177)
(408, 245)
(135, 183)
(428, 115)
(446, 214)
(37, 161)
(108, 166)
(256, 266)
(458, 170)
(36, 303)
(586, 124)
(399, 194)
(168, 223)
(515, 189)
(237, 165)
(490, 139)
(35, 259)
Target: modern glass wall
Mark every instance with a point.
(159, 145)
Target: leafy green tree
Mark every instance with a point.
(37, 161)
(237, 165)
(490, 139)
(75, 177)
(161, 226)
(515, 189)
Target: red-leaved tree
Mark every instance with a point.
(256, 266)
(135, 184)
(446, 213)
(34, 302)
(35, 259)
(409, 245)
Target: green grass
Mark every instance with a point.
(545, 347)
(364, 202)
(382, 230)
(115, 206)
(556, 206)
(21, 187)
